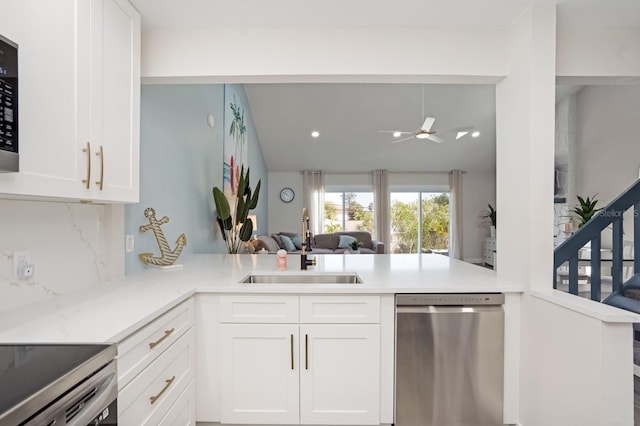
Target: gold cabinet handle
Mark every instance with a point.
(168, 382)
(292, 366)
(306, 351)
(100, 154)
(87, 150)
(167, 333)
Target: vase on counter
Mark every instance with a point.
(352, 251)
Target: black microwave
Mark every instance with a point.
(8, 105)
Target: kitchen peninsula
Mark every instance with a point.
(196, 312)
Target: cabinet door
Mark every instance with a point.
(115, 100)
(50, 61)
(340, 374)
(259, 373)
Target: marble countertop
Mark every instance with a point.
(117, 308)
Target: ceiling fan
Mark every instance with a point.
(426, 132)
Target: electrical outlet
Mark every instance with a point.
(129, 243)
(21, 259)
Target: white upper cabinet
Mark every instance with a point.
(79, 100)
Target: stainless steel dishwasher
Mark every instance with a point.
(449, 359)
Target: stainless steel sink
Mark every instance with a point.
(273, 278)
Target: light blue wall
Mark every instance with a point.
(180, 163)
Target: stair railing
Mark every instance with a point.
(611, 215)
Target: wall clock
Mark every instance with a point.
(287, 195)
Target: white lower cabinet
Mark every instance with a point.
(156, 371)
(340, 374)
(301, 373)
(260, 373)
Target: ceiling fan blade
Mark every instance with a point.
(454, 129)
(434, 138)
(403, 139)
(396, 131)
(428, 122)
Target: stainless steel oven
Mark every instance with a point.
(8, 106)
(58, 385)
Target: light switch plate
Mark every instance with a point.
(129, 243)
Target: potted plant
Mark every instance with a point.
(489, 217)
(355, 246)
(585, 209)
(232, 219)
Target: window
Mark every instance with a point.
(348, 211)
(419, 214)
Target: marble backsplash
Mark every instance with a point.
(72, 246)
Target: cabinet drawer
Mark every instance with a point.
(277, 309)
(148, 397)
(339, 309)
(183, 411)
(141, 348)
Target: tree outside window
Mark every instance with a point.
(419, 214)
(348, 211)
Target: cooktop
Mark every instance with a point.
(27, 369)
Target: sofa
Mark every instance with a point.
(333, 243)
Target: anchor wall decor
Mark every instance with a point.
(167, 256)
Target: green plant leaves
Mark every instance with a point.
(586, 209)
(238, 228)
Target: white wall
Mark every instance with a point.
(262, 54)
(72, 246)
(598, 53)
(608, 152)
(284, 216)
(579, 370)
(478, 190)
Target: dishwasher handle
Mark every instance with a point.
(446, 309)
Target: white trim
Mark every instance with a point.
(636, 370)
(600, 311)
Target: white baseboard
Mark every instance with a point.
(473, 259)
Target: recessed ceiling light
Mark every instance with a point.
(397, 134)
(475, 134)
(315, 134)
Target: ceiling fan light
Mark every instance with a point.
(397, 134)
(422, 135)
(461, 134)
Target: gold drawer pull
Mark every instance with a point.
(166, 386)
(87, 181)
(167, 333)
(292, 366)
(306, 351)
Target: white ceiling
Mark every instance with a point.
(349, 116)
(376, 13)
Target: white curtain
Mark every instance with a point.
(313, 198)
(381, 221)
(455, 213)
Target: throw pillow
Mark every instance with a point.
(288, 244)
(269, 242)
(297, 241)
(278, 240)
(345, 241)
